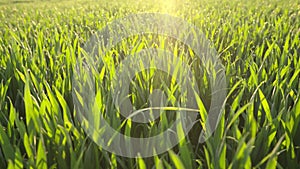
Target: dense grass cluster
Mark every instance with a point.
(258, 43)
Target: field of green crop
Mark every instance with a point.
(258, 42)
